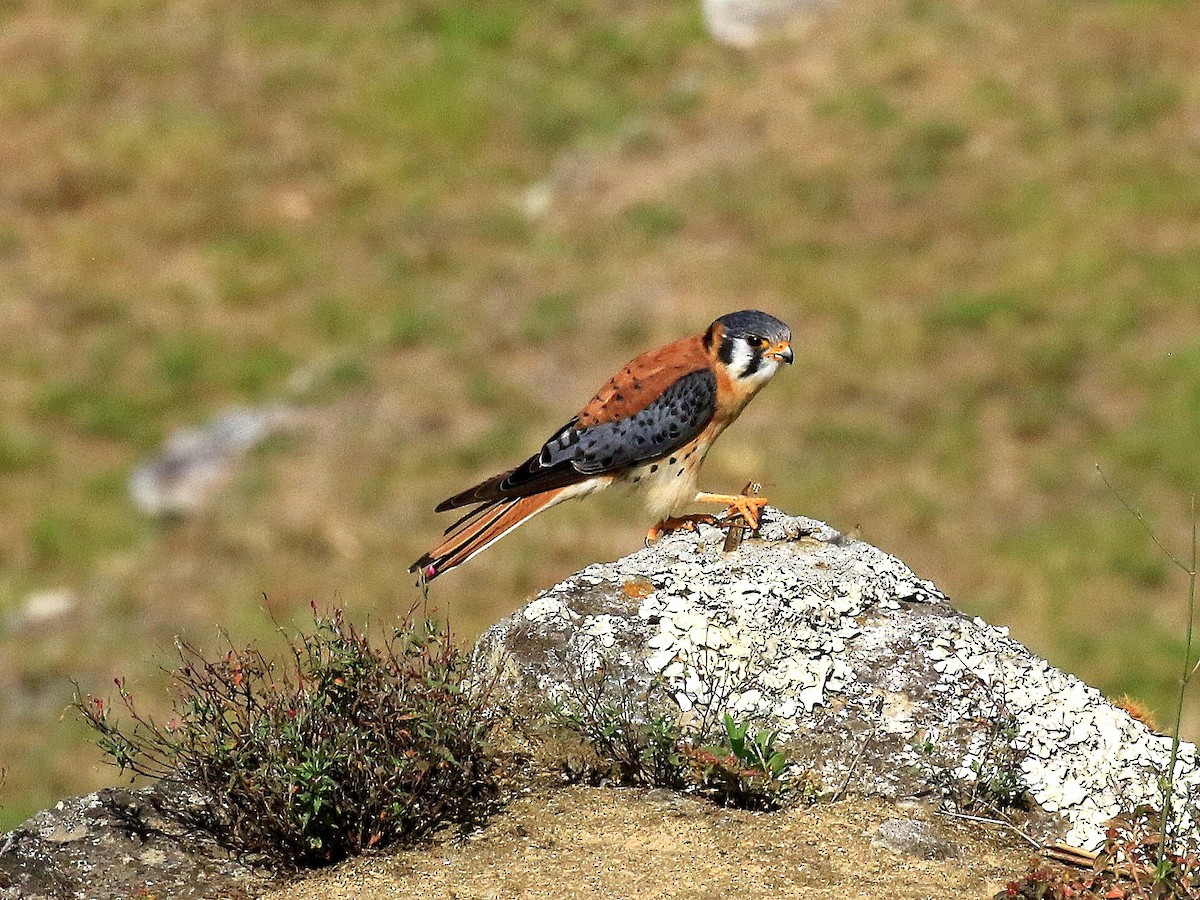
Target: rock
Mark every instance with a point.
(743, 23)
(874, 681)
(196, 461)
(910, 837)
(116, 844)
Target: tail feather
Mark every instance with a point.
(473, 514)
(479, 530)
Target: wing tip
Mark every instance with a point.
(484, 492)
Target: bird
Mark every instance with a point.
(649, 428)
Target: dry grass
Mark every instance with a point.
(600, 842)
(981, 220)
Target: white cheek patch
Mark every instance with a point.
(740, 359)
(766, 369)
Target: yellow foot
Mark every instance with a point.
(678, 523)
(747, 505)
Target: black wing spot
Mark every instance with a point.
(654, 468)
(672, 461)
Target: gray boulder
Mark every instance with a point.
(116, 844)
(874, 681)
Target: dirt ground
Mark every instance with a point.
(616, 843)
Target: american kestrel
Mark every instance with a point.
(649, 428)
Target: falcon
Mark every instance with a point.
(649, 428)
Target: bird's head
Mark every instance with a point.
(750, 344)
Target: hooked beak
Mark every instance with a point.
(782, 352)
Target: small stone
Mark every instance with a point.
(64, 834)
(45, 606)
(152, 858)
(910, 837)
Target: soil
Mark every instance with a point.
(583, 842)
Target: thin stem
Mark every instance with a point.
(1142, 521)
(1188, 671)
(990, 821)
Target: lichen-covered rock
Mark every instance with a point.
(875, 683)
(116, 844)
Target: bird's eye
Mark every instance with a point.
(754, 341)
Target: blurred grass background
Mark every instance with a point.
(443, 224)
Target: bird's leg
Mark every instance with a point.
(679, 523)
(747, 504)
(737, 526)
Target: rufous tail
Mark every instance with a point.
(478, 531)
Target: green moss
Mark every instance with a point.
(863, 102)
(967, 311)
(923, 155)
(550, 317)
(335, 319)
(22, 450)
(417, 327)
(654, 220)
(103, 410)
(260, 372)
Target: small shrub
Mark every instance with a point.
(992, 782)
(1132, 866)
(344, 746)
(1169, 845)
(635, 736)
(746, 769)
(632, 741)
(999, 779)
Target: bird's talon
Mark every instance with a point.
(678, 523)
(747, 508)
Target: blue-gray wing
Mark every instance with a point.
(573, 454)
(670, 422)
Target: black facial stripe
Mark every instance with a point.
(725, 354)
(756, 359)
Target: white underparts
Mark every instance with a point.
(669, 483)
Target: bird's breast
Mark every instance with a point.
(668, 483)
